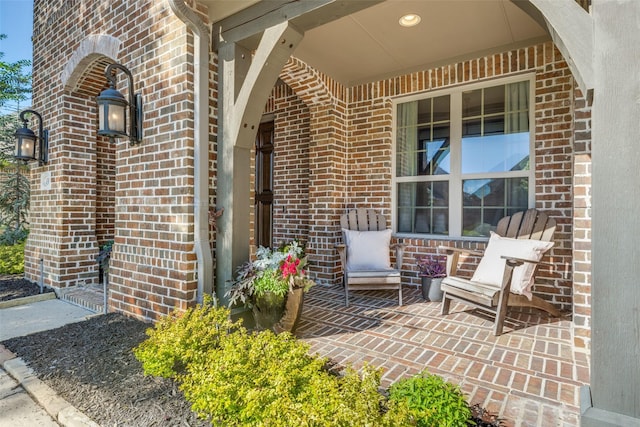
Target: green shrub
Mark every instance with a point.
(12, 259)
(182, 338)
(432, 401)
(237, 378)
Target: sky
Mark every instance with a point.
(16, 21)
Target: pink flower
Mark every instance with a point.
(289, 267)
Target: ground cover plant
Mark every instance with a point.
(432, 400)
(12, 258)
(236, 377)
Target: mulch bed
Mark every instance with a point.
(12, 287)
(91, 365)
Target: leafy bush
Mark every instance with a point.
(237, 378)
(234, 377)
(432, 401)
(12, 259)
(181, 339)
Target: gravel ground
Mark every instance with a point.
(92, 366)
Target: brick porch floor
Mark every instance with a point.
(530, 376)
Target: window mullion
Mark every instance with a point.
(455, 178)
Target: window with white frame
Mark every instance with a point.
(463, 158)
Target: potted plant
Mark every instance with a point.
(273, 286)
(432, 270)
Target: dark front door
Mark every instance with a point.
(264, 185)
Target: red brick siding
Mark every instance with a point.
(333, 152)
(291, 168)
(582, 224)
(145, 192)
(365, 159)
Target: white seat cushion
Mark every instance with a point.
(487, 290)
(373, 273)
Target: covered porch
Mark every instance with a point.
(529, 376)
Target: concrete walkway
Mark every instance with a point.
(39, 316)
(24, 399)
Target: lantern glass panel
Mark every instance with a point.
(117, 121)
(112, 118)
(26, 147)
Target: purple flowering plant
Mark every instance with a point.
(431, 266)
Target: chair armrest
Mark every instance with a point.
(399, 248)
(460, 250)
(453, 257)
(342, 250)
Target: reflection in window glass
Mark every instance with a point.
(495, 129)
(422, 138)
(423, 207)
(496, 153)
(485, 201)
(486, 160)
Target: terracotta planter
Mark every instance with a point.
(431, 290)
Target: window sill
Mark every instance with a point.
(480, 239)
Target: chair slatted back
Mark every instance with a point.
(363, 219)
(531, 224)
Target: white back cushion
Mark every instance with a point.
(367, 250)
(491, 267)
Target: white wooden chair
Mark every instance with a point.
(365, 254)
(508, 268)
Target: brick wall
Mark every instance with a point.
(325, 100)
(333, 152)
(291, 167)
(582, 224)
(365, 158)
(141, 196)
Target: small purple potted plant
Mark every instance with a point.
(432, 270)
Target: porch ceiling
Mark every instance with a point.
(370, 44)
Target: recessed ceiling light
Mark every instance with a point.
(409, 20)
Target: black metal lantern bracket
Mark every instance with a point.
(25, 136)
(111, 97)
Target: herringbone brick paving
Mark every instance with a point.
(531, 375)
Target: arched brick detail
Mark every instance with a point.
(310, 85)
(327, 157)
(94, 49)
(81, 200)
(82, 116)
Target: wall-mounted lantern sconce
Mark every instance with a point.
(26, 141)
(112, 107)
